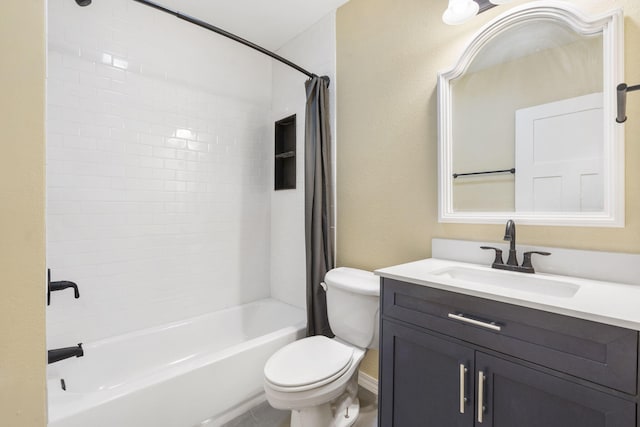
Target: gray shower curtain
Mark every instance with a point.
(318, 199)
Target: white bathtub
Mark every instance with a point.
(175, 375)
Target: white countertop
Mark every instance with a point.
(606, 302)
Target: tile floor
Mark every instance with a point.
(264, 415)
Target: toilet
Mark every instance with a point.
(317, 377)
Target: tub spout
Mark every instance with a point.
(59, 354)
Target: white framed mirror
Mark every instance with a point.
(526, 122)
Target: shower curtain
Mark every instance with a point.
(318, 198)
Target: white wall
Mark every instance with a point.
(159, 191)
(314, 50)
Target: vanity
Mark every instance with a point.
(467, 345)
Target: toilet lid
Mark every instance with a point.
(308, 361)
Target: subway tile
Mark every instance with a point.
(137, 201)
(78, 64)
(106, 144)
(92, 80)
(151, 162)
(79, 142)
(187, 155)
(144, 184)
(164, 174)
(176, 143)
(165, 153)
(55, 140)
(138, 149)
(186, 176)
(175, 186)
(150, 139)
(125, 135)
(138, 172)
(110, 72)
(112, 121)
(112, 97)
(197, 146)
(93, 130)
(175, 164)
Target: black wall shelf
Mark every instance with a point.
(285, 154)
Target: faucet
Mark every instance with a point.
(58, 286)
(510, 236)
(512, 260)
(58, 354)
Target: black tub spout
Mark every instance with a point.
(59, 354)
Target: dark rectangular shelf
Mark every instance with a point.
(285, 154)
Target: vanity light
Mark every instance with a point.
(460, 11)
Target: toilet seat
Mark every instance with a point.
(307, 364)
(290, 398)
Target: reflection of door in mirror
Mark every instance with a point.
(512, 73)
(559, 156)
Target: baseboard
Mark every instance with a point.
(367, 382)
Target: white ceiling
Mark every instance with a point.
(268, 23)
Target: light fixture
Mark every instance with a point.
(460, 11)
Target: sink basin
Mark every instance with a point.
(516, 281)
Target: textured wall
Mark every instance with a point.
(22, 219)
(157, 170)
(388, 57)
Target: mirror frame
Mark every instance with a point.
(611, 27)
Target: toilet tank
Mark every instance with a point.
(353, 304)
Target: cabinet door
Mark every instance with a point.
(426, 381)
(514, 395)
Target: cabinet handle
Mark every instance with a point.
(463, 377)
(481, 408)
(461, 317)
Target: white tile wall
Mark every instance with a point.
(159, 182)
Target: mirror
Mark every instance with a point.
(527, 121)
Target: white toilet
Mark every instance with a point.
(317, 377)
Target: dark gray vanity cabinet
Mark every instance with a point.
(515, 395)
(416, 362)
(510, 366)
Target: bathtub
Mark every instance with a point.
(196, 372)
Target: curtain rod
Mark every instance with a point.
(224, 33)
(217, 30)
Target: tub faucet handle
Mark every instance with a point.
(58, 286)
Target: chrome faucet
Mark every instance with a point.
(512, 261)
